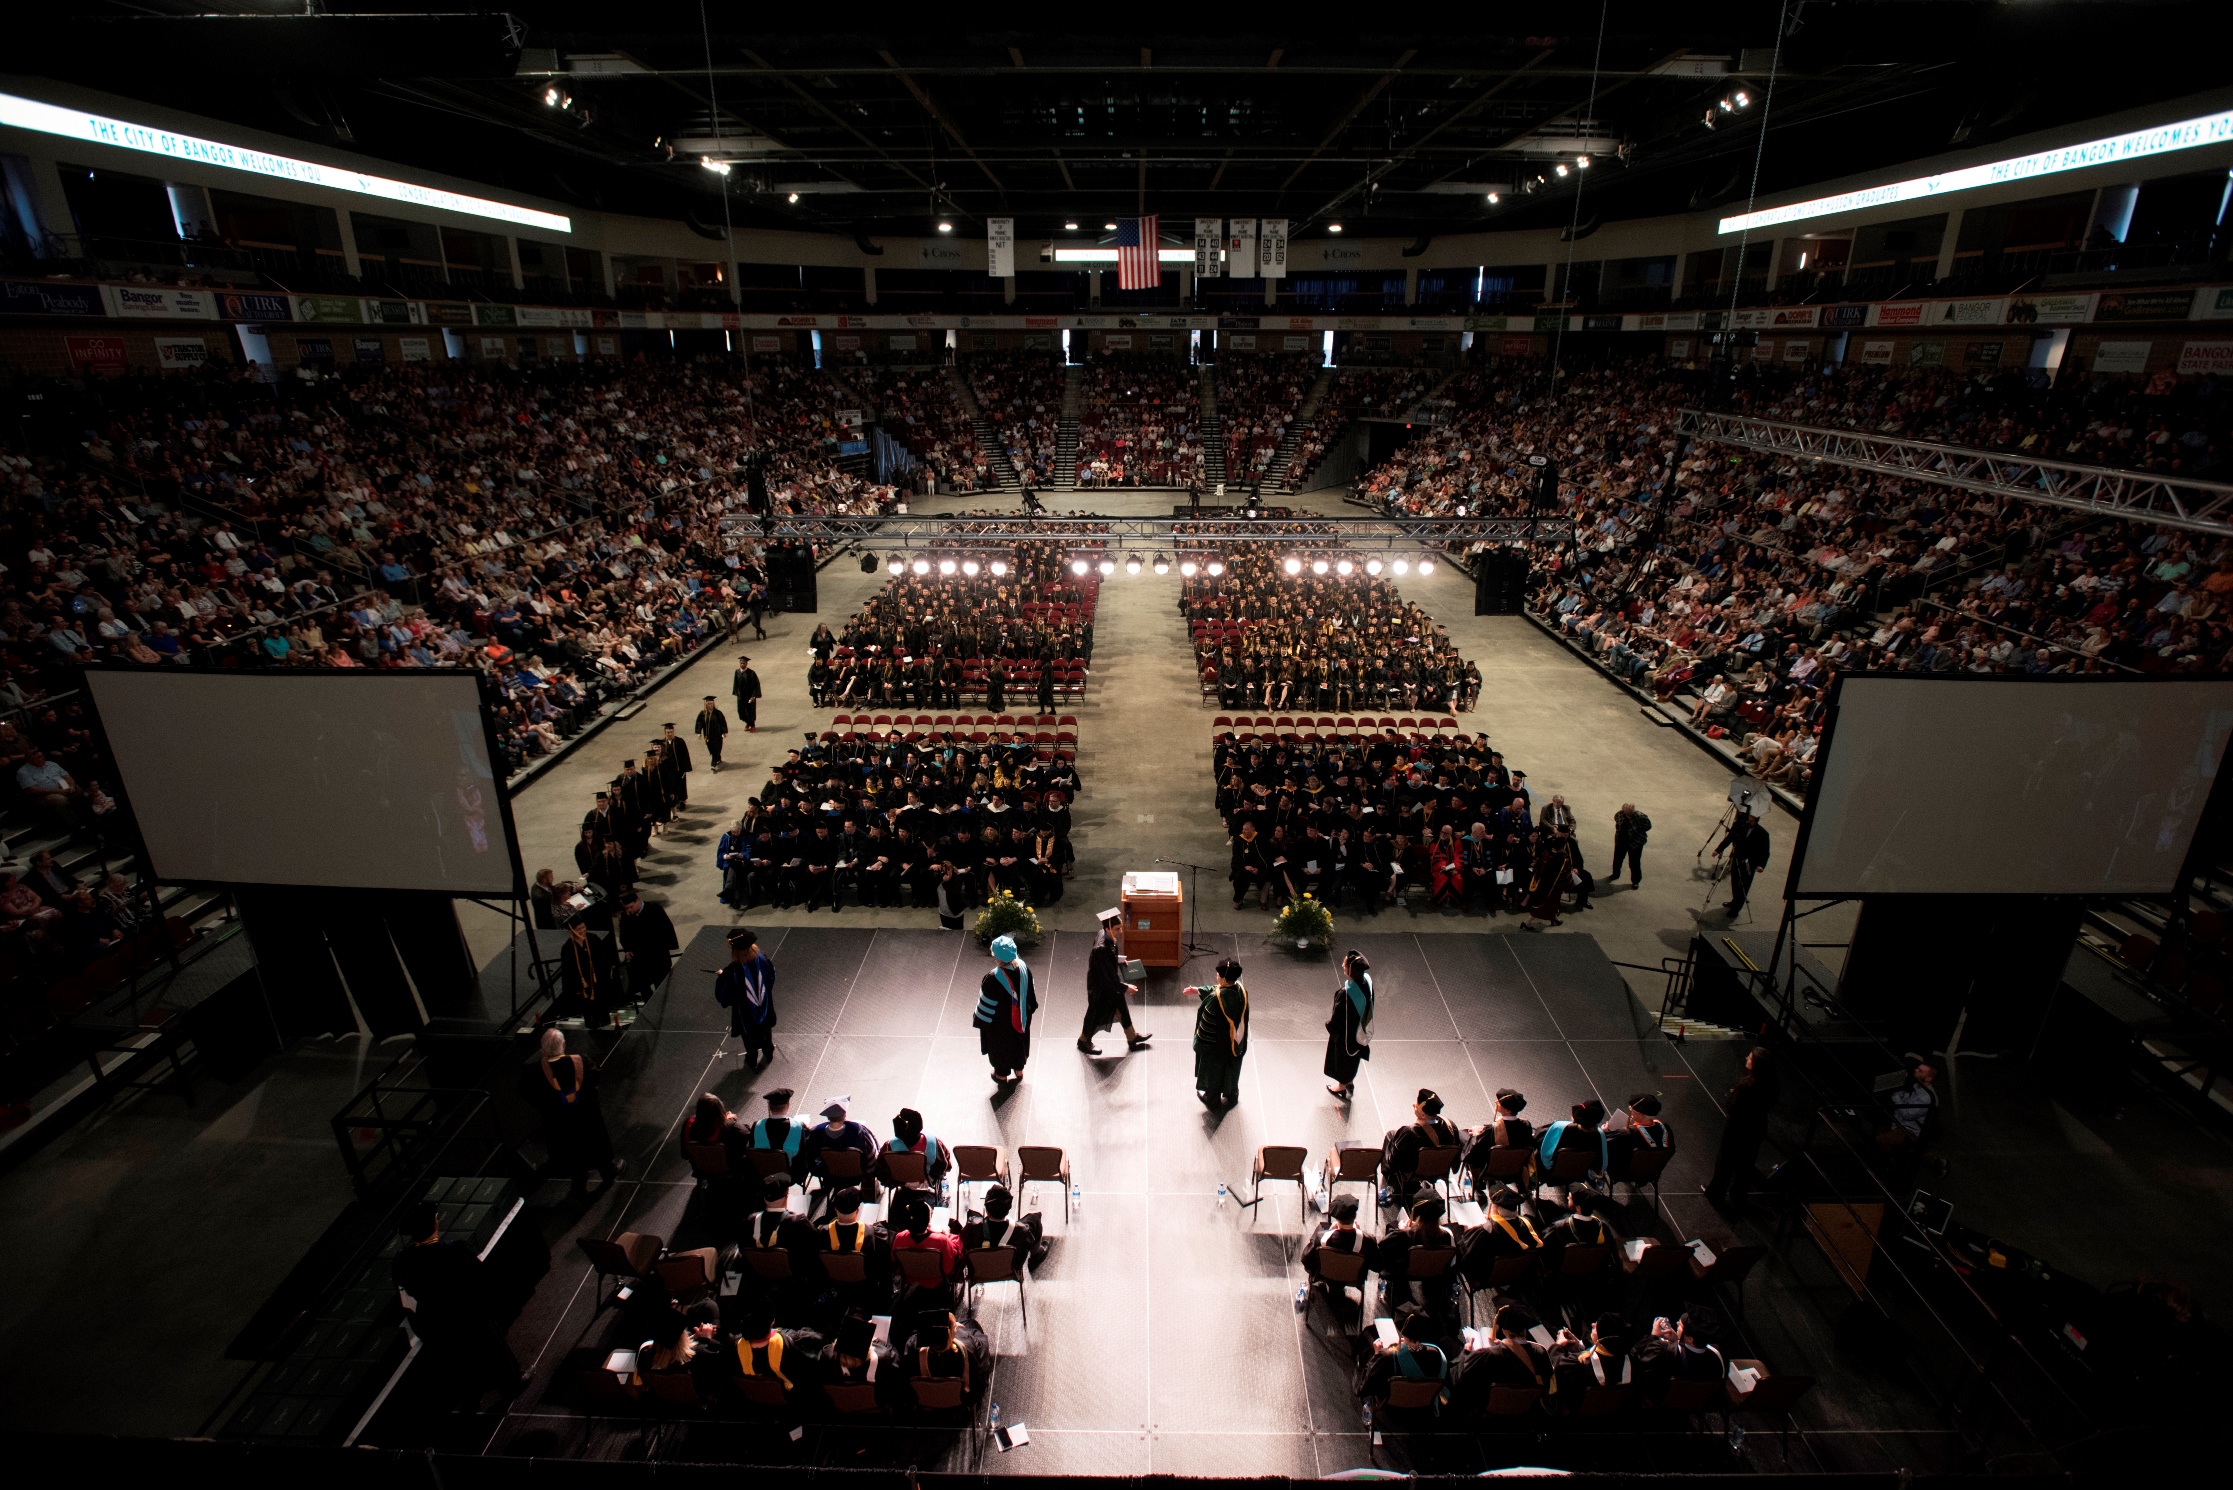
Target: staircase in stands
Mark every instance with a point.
(1066, 433)
(1314, 398)
(1213, 430)
(988, 439)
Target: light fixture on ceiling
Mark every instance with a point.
(1426, 565)
(718, 167)
(969, 567)
(1107, 566)
(1131, 563)
(1401, 566)
(945, 227)
(1709, 120)
(1162, 564)
(1741, 99)
(1319, 566)
(794, 196)
(1216, 568)
(1559, 169)
(557, 98)
(1069, 227)
(895, 564)
(1492, 199)
(1108, 227)
(1345, 569)
(1079, 566)
(1333, 227)
(1372, 566)
(1581, 162)
(947, 566)
(1293, 565)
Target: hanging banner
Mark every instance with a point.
(1000, 247)
(96, 353)
(2212, 357)
(2122, 356)
(1209, 244)
(1272, 248)
(1240, 248)
(181, 351)
(28, 298)
(415, 348)
(141, 303)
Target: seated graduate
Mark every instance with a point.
(1505, 1231)
(1678, 1350)
(1340, 1233)
(845, 1232)
(695, 1349)
(785, 1354)
(1644, 1130)
(1506, 1130)
(855, 1357)
(838, 1133)
(1399, 1149)
(1574, 1223)
(711, 1122)
(1508, 1358)
(911, 1232)
(1412, 1357)
(946, 1346)
(1602, 1362)
(1420, 1229)
(776, 1226)
(908, 1137)
(996, 1228)
(778, 1131)
(1583, 1131)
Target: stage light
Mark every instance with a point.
(1345, 569)
(1217, 567)
(1318, 566)
(1709, 120)
(1401, 566)
(947, 566)
(1582, 161)
(557, 98)
(969, 567)
(718, 167)
(922, 566)
(1492, 199)
(1426, 565)
(999, 568)
(1372, 566)
(945, 227)
(1107, 567)
(1188, 568)
(1069, 227)
(1744, 99)
(1162, 564)
(1079, 566)
(794, 196)
(1461, 509)
(1293, 565)
(895, 564)
(1560, 169)
(1333, 227)
(1108, 227)
(1131, 563)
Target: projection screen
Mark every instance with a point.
(376, 781)
(1948, 785)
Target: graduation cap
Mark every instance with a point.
(1112, 915)
(855, 1336)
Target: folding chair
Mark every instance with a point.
(977, 1164)
(936, 1393)
(676, 1389)
(845, 1267)
(853, 1398)
(1039, 1163)
(1603, 1402)
(1359, 1165)
(1434, 1166)
(630, 1255)
(1505, 1272)
(919, 1267)
(688, 1276)
(1729, 1268)
(1343, 1270)
(1645, 1166)
(908, 1171)
(768, 1264)
(1568, 1166)
(762, 1391)
(709, 1163)
(1511, 1402)
(1275, 1161)
(1406, 1395)
(997, 1265)
(1774, 1396)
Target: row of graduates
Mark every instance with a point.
(635, 808)
(926, 776)
(897, 680)
(820, 865)
(1256, 675)
(1534, 872)
(804, 1361)
(916, 612)
(1414, 787)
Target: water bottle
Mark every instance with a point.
(1077, 1200)
(1368, 1414)
(1736, 1438)
(1221, 1195)
(1302, 1299)
(993, 1417)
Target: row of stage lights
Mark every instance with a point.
(1294, 564)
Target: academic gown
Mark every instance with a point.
(648, 937)
(747, 990)
(1345, 1045)
(1007, 1001)
(1221, 1041)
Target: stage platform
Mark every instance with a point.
(1163, 1336)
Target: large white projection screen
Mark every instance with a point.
(1949, 786)
(376, 781)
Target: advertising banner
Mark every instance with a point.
(762, 342)
(2144, 305)
(2215, 357)
(415, 349)
(1240, 341)
(2212, 303)
(368, 349)
(341, 309)
(1897, 313)
(448, 313)
(1844, 316)
(1981, 354)
(96, 353)
(140, 303)
(2122, 356)
(250, 307)
(2050, 310)
(1877, 353)
(181, 351)
(494, 315)
(27, 298)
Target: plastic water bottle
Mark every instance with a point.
(1221, 1195)
(1368, 1413)
(994, 1417)
(1736, 1438)
(1077, 1199)
(1302, 1299)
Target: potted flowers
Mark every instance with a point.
(1305, 922)
(1004, 915)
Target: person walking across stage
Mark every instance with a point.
(1106, 992)
(564, 1089)
(1751, 843)
(1220, 1037)
(1349, 1027)
(1743, 1131)
(745, 686)
(1630, 829)
(746, 988)
(1006, 1001)
(1555, 874)
(713, 727)
(647, 943)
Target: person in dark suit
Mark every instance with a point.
(1107, 995)
(1750, 840)
(745, 688)
(564, 1089)
(452, 1307)
(712, 726)
(647, 943)
(1630, 829)
(1645, 1130)
(1750, 1102)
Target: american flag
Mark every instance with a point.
(1138, 268)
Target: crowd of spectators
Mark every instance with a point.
(1257, 397)
(1021, 394)
(918, 407)
(1140, 423)
(1356, 393)
(1308, 640)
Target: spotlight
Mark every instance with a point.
(1582, 161)
(947, 566)
(1318, 566)
(1293, 565)
(1189, 568)
(922, 566)
(793, 197)
(1560, 169)
(1492, 199)
(1727, 107)
(1108, 227)
(1461, 509)
(1079, 566)
(1107, 567)
(1372, 566)
(718, 167)
(895, 564)
(1162, 564)
(557, 98)
(1069, 227)
(1426, 565)
(969, 567)
(1345, 569)
(999, 568)
(1217, 567)
(945, 227)
(1401, 566)
(1743, 99)
(1333, 227)
(1131, 563)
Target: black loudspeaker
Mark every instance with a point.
(791, 578)
(1500, 582)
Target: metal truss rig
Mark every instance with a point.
(2199, 506)
(1147, 532)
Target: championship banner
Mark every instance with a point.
(1000, 247)
(1209, 233)
(1272, 248)
(1240, 248)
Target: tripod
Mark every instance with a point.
(1194, 947)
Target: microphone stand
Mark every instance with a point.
(1193, 947)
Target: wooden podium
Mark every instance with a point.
(1154, 927)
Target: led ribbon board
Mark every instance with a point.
(2187, 134)
(74, 124)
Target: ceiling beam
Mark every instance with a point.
(930, 107)
(841, 122)
(1371, 92)
(1412, 150)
